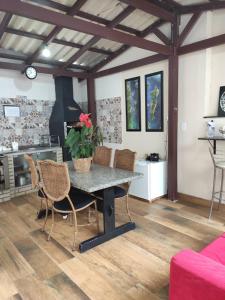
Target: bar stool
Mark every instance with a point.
(219, 164)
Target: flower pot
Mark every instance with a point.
(82, 165)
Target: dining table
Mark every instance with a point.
(103, 178)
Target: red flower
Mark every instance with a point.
(88, 124)
(84, 117)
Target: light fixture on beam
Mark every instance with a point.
(46, 52)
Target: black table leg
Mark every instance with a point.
(110, 231)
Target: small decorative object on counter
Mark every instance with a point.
(15, 146)
(211, 128)
(82, 141)
(222, 131)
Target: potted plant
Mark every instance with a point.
(82, 141)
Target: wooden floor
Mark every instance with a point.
(132, 266)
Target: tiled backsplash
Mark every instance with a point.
(109, 119)
(32, 123)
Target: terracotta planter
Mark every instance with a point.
(82, 165)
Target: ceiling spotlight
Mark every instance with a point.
(61, 59)
(46, 52)
(75, 63)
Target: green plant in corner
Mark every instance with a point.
(82, 141)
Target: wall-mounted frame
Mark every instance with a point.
(11, 111)
(133, 104)
(221, 104)
(154, 101)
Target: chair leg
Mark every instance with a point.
(89, 215)
(96, 216)
(53, 221)
(213, 191)
(74, 231)
(127, 207)
(46, 215)
(221, 189)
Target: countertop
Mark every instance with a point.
(29, 149)
(100, 177)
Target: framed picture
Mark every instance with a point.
(154, 101)
(133, 104)
(221, 104)
(11, 111)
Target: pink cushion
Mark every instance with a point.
(216, 250)
(194, 276)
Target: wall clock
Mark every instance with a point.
(31, 72)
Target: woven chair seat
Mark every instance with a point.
(79, 199)
(118, 192)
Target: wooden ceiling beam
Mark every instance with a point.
(52, 35)
(203, 44)
(188, 27)
(152, 9)
(56, 41)
(4, 23)
(85, 15)
(13, 55)
(127, 11)
(150, 29)
(131, 65)
(44, 70)
(161, 36)
(38, 13)
(201, 7)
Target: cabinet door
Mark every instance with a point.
(140, 187)
(21, 171)
(47, 155)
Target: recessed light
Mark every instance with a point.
(46, 52)
(61, 59)
(75, 63)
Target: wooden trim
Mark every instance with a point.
(4, 23)
(44, 70)
(196, 200)
(188, 27)
(84, 15)
(131, 65)
(91, 99)
(38, 13)
(56, 41)
(151, 8)
(193, 8)
(203, 44)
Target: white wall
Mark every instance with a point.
(114, 86)
(13, 83)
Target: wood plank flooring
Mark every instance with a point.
(132, 266)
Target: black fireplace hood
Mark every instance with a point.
(64, 99)
(65, 109)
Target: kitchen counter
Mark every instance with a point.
(16, 169)
(30, 149)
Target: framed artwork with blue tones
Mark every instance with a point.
(154, 101)
(133, 104)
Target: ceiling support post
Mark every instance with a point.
(173, 116)
(91, 99)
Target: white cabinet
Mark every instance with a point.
(154, 182)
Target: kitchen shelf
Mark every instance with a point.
(212, 117)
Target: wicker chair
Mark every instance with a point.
(102, 156)
(56, 185)
(36, 185)
(125, 160)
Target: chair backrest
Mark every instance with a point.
(55, 179)
(218, 157)
(33, 171)
(102, 156)
(124, 159)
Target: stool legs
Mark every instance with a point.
(221, 188)
(213, 192)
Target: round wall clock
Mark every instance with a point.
(31, 72)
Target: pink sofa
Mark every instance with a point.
(199, 276)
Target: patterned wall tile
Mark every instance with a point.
(32, 123)
(109, 119)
